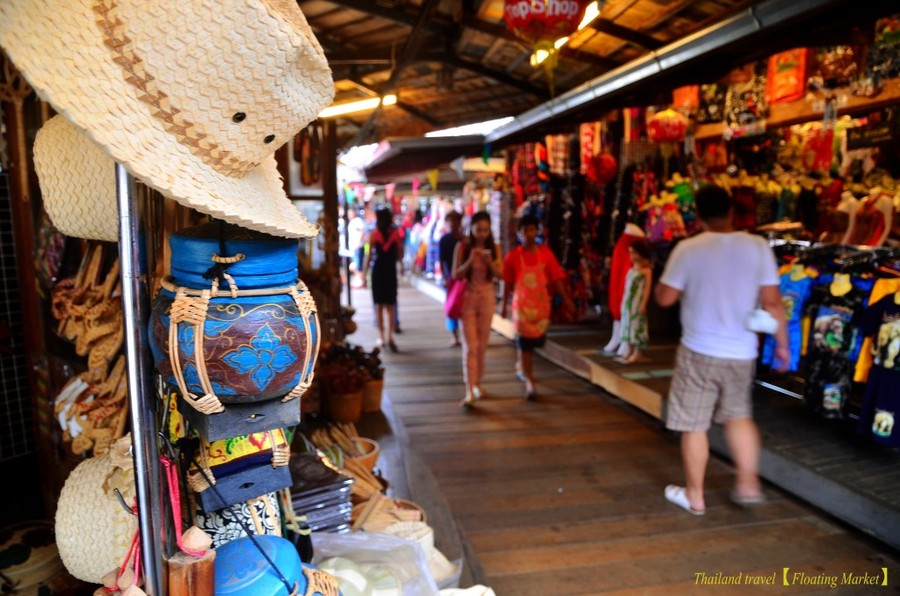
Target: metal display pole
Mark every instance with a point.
(141, 401)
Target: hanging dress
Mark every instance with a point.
(384, 267)
(634, 323)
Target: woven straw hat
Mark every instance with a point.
(78, 182)
(93, 531)
(192, 97)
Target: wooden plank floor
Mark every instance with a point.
(564, 495)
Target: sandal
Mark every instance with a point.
(467, 404)
(747, 500)
(677, 496)
(392, 346)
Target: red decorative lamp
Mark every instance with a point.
(666, 128)
(543, 23)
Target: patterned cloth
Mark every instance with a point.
(706, 389)
(634, 322)
(530, 272)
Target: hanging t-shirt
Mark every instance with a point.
(881, 401)
(882, 288)
(794, 294)
(834, 338)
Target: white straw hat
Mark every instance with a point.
(192, 97)
(78, 182)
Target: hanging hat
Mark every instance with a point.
(78, 182)
(192, 97)
(93, 530)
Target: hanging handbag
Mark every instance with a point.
(760, 321)
(453, 304)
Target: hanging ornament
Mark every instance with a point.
(667, 127)
(543, 23)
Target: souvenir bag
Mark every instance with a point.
(759, 320)
(786, 76)
(745, 109)
(240, 468)
(453, 305)
(686, 99)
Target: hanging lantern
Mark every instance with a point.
(543, 23)
(667, 126)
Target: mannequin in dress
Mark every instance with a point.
(841, 219)
(619, 266)
(873, 220)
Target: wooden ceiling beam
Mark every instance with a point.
(637, 38)
(374, 9)
(409, 109)
(407, 55)
(497, 75)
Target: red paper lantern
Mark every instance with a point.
(667, 126)
(543, 20)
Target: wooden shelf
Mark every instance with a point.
(797, 112)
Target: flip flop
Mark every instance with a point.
(520, 376)
(677, 496)
(467, 405)
(747, 500)
(479, 393)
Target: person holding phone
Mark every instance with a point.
(477, 261)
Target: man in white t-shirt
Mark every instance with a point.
(720, 276)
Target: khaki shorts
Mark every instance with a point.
(707, 389)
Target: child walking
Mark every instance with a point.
(638, 282)
(528, 270)
(477, 261)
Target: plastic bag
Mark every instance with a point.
(404, 558)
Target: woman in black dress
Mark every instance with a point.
(385, 252)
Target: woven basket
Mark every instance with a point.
(345, 407)
(372, 392)
(371, 450)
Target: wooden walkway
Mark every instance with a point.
(564, 495)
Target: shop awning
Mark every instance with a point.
(401, 156)
(752, 34)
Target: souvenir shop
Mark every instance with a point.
(182, 321)
(807, 142)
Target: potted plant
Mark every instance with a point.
(342, 380)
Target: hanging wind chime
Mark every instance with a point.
(545, 24)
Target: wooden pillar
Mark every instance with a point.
(330, 313)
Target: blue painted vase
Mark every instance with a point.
(241, 570)
(245, 327)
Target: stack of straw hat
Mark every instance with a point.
(192, 98)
